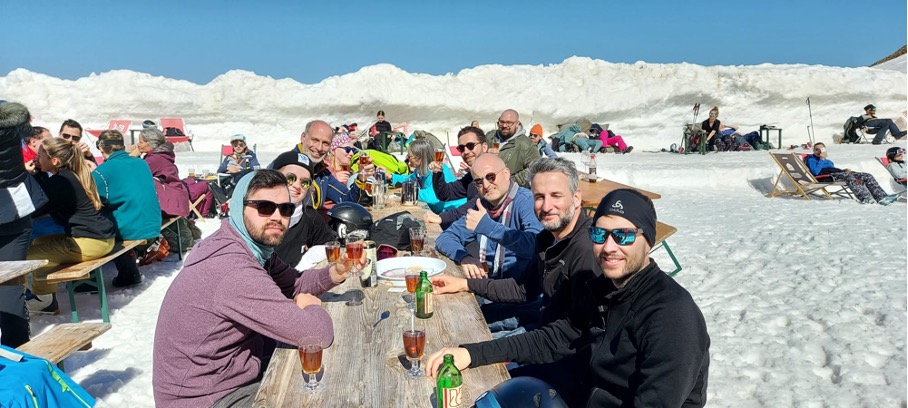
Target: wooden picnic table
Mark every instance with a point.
(592, 193)
(10, 270)
(363, 368)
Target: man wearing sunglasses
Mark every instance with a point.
(232, 297)
(879, 127)
(648, 338)
(471, 144)
(307, 228)
(515, 148)
(72, 131)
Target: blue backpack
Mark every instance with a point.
(35, 382)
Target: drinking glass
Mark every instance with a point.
(332, 250)
(364, 159)
(192, 172)
(411, 277)
(417, 240)
(439, 155)
(414, 346)
(355, 252)
(311, 360)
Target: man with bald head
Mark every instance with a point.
(315, 143)
(515, 148)
(503, 222)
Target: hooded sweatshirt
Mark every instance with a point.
(172, 192)
(219, 310)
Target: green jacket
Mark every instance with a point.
(517, 153)
(127, 191)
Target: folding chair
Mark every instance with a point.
(169, 124)
(902, 182)
(227, 150)
(193, 207)
(804, 184)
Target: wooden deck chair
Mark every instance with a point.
(794, 170)
(835, 188)
(175, 125)
(193, 207)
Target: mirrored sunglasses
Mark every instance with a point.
(292, 178)
(622, 236)
(266, 207)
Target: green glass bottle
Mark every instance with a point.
(448, 385)
(424, 306)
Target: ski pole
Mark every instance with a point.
(810, 130)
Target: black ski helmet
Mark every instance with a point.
(522, 392)
(346, 217)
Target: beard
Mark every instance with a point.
(633, 263)
(264, 237)
(557, 225)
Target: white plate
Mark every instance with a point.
(395, 269)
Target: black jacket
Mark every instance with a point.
(457, 189)
(14, 200)
(383, 126)
(70, 207)
(549, 272)
(648, 341)
(311, 230)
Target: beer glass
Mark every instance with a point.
(364, 160)
(439, 155)
(311, 360)
(332, 250)
(355, 252)
(417, 240)
(192, 172)
(414, 346)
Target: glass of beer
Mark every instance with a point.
(345, 167)
(439, 155)
(192, 172)
(414, 346)
(311, 360)
(364, 159)
(332, 250)
(355, 252)
(417, 240)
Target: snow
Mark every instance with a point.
(805, 301)
(895, 64)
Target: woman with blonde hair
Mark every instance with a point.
(712, 126)
(74, 204)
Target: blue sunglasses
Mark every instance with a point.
(622, 236)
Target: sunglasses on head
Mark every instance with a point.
(266, 208)
(488, 177)
(467, 146)
(385, 251)
(67, 136)
(622, 236)
(304, 183)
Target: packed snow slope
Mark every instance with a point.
(647, 103)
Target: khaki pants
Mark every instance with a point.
(59, 249)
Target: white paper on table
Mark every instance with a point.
(312, 257)
(397, 289)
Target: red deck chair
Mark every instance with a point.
(902, 182)
(175, 125)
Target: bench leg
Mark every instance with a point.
(672, 256)
(179, 242)
(102, 294)
(70, 286)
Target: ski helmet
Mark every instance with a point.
(347, 217)
(521, 392)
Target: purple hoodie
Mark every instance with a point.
(216, 314)
(172, 193)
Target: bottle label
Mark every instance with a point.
(427, 303)
(452, 397)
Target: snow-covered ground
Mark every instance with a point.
(805, 301)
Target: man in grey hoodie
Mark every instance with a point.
(232, 296)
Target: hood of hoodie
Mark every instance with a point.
(165, 150)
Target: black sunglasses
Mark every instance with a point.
(488, 177)
(68, 136)
(266, 208)
(622, 236)
(470, 146)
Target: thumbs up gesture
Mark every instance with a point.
(474, 216)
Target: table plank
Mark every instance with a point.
(10, 270)
(592, 193)
(362, 367)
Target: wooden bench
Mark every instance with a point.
(62, 340)
(90, 272)
(663, 232)
(166, 224)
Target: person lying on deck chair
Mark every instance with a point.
(896, 167)
(880, 127)
(863, 185)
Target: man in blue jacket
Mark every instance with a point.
(127, 191)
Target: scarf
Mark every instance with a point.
(502, 212)
(261, 252)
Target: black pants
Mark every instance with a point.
(14, 243)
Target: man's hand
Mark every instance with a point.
(434, 167)
(304, 299)
(340, 271)
(431, 218)
(464, 166)
(474, 216)
(462, 359)
(472, 268)
(448, 284)
(85, 151)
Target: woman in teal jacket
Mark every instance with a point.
(419, 155)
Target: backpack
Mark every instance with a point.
(172, 131)
(394, 230)
(380, 158)
(437, 144)
(753, 138)
(851, 126)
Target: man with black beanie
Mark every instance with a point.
(648, 337)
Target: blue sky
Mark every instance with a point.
(310, 41)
